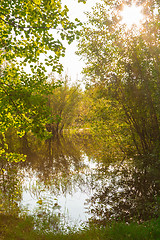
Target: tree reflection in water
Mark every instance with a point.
(59, 166)
(10, 188)
(131, 194)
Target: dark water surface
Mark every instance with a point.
(69, 181)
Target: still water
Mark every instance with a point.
(67, 192)
(70, 181)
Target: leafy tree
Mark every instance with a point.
(29, 31)
(63, 102)
(125, 64)
(107, 121)
(82, 120)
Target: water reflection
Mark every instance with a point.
(74, 178)
(10, 188)
(59, 164)
(131, 193)
(60, 169)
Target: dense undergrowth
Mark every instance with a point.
(13, 228)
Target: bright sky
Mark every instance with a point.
(71, 62)
(132, 15)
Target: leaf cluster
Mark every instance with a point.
(124, 64)
(30, 31)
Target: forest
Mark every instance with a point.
(49, 124)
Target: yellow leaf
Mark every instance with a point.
(39, 201)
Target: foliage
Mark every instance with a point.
(125, 65)
(63, 103)
(108, 125)
(10, 189)
(22, 228)
(83, 112)
(45, 217)
(28, 29)
(31, 39)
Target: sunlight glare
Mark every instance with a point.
(132, 15)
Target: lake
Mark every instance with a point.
(71, 181)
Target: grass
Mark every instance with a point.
(13, 228)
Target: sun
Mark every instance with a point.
(132, 15)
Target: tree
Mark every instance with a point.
(63, 102)
(125, 64)
(107, 121)
(29, 30)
